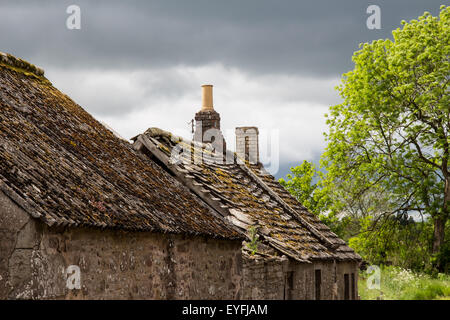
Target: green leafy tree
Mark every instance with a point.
(302, 184)
(390, 136)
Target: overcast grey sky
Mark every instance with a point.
(139, 64)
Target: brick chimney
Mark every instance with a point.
(247, 145)
(207, 121)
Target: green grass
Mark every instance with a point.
(401, 284)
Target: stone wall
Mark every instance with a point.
(16, 245)
(285, 279)
(263, 278)
(331, 279)
(35, 262)
(349, 268)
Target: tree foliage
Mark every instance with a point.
(399, 241)
(302, 184)
(390, 136)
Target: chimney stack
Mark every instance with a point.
(207, 121)
(247, 144)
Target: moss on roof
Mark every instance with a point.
(20, 65)
(66, 168)
(255, 197)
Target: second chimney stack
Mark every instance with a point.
(247, 145)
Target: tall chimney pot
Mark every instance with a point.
(207, 97)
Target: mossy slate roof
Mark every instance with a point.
(247, 196)
(62, 166)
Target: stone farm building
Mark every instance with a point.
(85, 214)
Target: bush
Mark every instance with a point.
(403, 284)
(395, 241)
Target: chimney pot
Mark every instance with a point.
(207, 97)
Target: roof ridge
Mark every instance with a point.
(10, 60)
(157, 132)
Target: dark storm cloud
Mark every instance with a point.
(136, 64)
(261, 36)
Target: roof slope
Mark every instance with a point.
(62, 166)
(247, 196)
